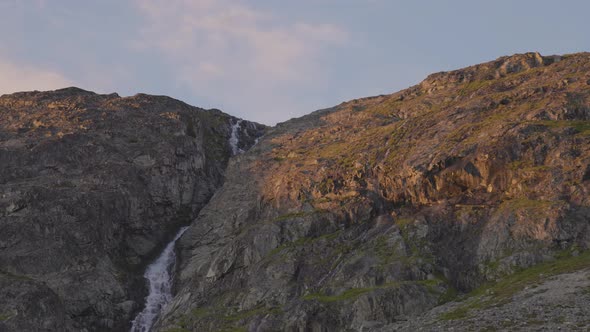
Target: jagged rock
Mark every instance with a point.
(549, 304)
(366, 216)
(29, 305)
(379, 209)
(91, 188)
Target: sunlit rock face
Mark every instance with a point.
(381, 208)
(362, 216)
(92, 187)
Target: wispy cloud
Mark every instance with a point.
(226, 49)
(22, 77)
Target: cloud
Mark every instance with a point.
(232, 52)
(18, 77)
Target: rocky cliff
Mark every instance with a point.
(461, 202)
(91, 187)
(380, 209)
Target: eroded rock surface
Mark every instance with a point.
(559, 302)
(378, 210)
(91, 187)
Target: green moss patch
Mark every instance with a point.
(354, 293)
(474, 86)
(6, 316)
(15, 276)
(295, 215)
(243, 315)
(501, 292)
(177, 329)
(581, 126)
(298, 243)
(349, 294)
(222, 317)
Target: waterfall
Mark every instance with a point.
(234, 139)
(160, 276)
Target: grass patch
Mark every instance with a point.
(201, 312)
(258, 311)
(348, 294)
(353, 293)
(519, 165)
(4, 317)
(177, 329)
(224, 319)
(407, 250)
(474, 86)
(303, 241)
(540, 168)
(527, 204)
(581, 126)
(294, 215)
(501, 292)
(459, 313)
(383, 250)
(15, 276)
(493, 265)
(448, 296)
(290, 216)
(404, 222)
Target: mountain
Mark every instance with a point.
(376, 211)
(91, 188)
(459, 203)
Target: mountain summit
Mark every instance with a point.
(379, 209)
(461, 202)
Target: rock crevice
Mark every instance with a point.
(91, 188)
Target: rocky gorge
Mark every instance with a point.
(92, 187)
(459, 203)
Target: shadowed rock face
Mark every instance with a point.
(91, 187)
(356, 217)
(381, 208)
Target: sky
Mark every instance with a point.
(269, 60)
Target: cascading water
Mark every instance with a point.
(234, 138)
(159, 275)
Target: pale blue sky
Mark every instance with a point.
(269, 60)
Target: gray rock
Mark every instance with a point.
(92, 191)
(375, 212)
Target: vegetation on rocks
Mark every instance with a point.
(425, 194)
(91, 187)
(502, 291)
(444, 201)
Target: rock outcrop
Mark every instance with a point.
(526, 301)
(380, 209)
(91, 187)
(431, 208)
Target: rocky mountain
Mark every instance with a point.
(469, 187)
(91, 188)
(459, 203)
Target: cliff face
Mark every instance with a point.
(361, 216)
(91, 187)
(382, 208)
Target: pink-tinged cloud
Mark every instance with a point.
(225, 48)
(20, 77)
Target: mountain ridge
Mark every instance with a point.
(362, 216)
(378, 209)
(92, 187)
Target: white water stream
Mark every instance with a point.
(159, 275)
(234, 139)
